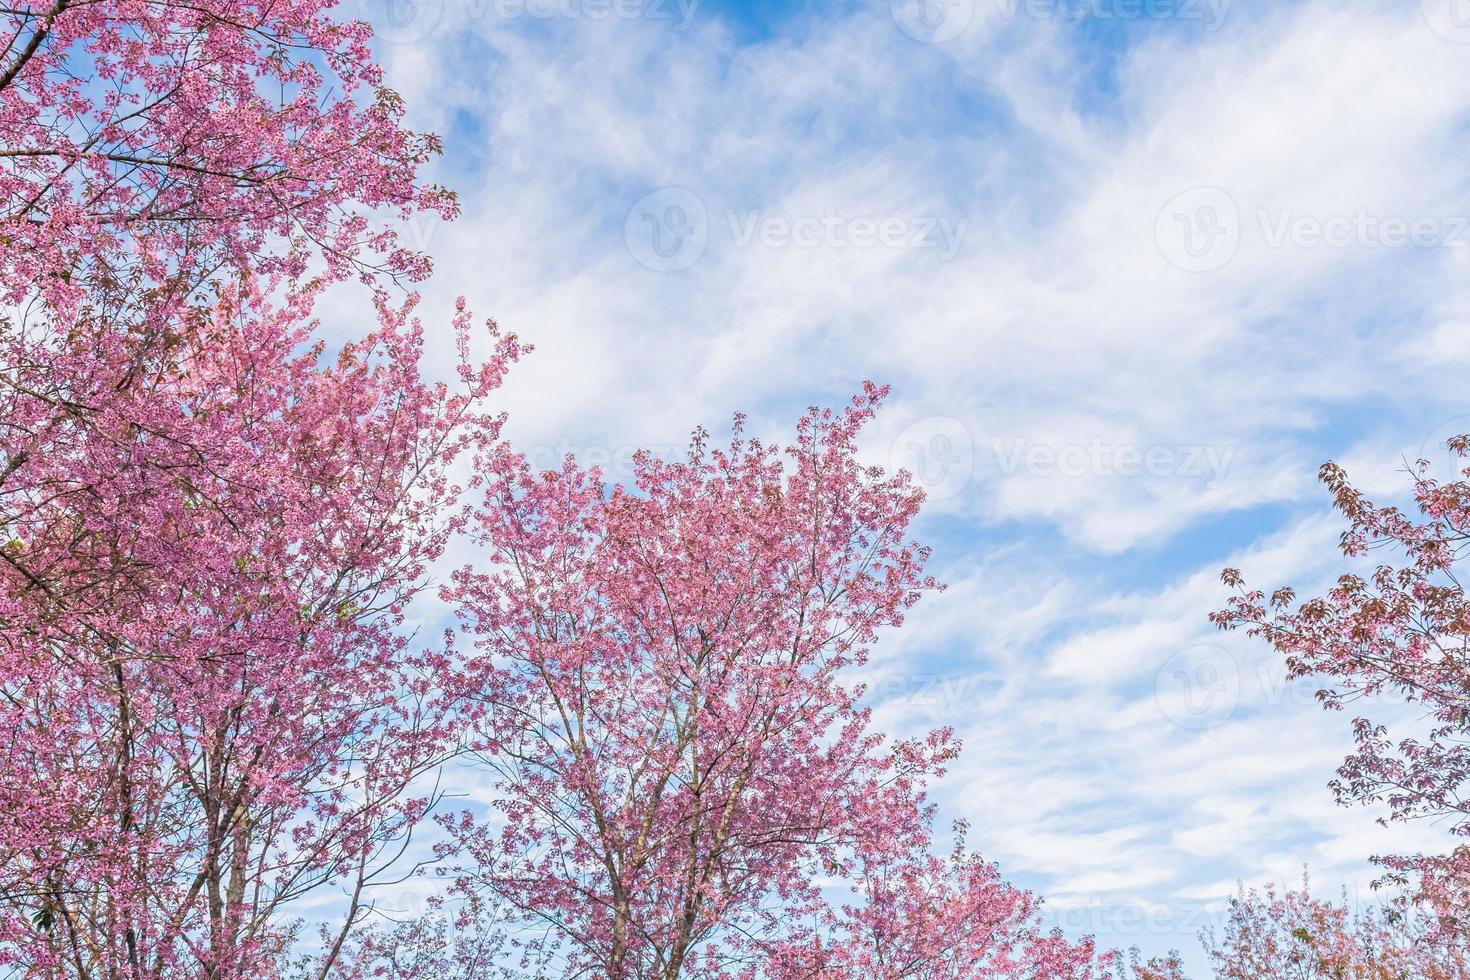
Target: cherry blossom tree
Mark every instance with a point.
(1402, 631)
(915, 914)
(211, 707)
(679, 762)
(662, 707)
(211, 527)
(1292, 935)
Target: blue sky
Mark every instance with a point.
(1134, 268)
